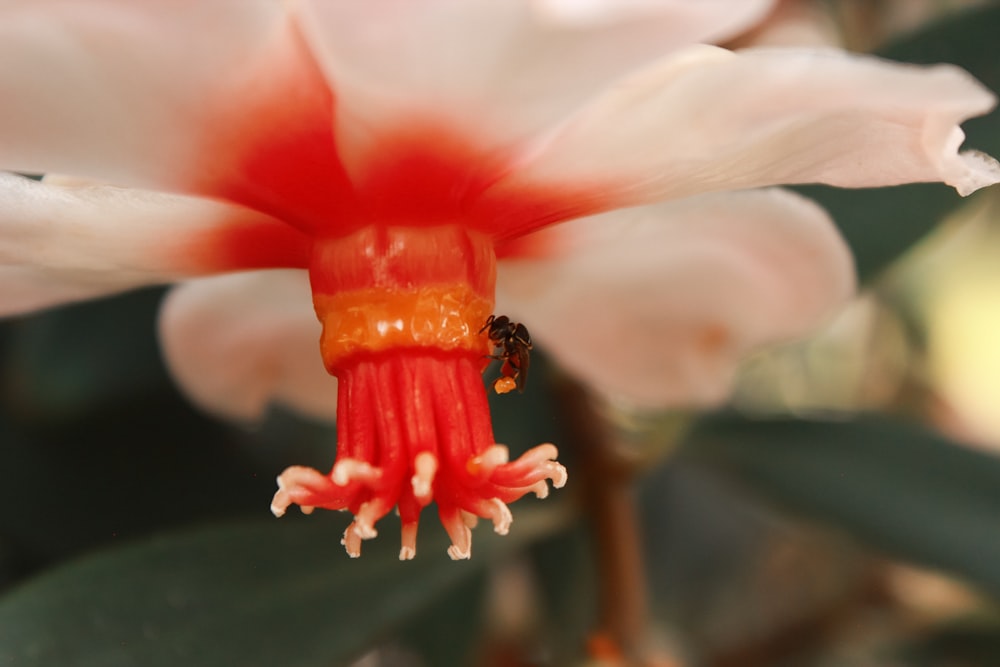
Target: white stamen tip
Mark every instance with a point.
(457, 554)
(425, 466)
(351, 542)
(407, 553)
(558, 475)
(364, 531)
(340, 475)
(502, 518)
(364, 522)
(346, 471)
(278, 510)
(489, 460)
(497, 455)
(540, 489)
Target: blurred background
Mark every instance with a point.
(844, 510)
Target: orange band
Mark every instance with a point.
(446, 317)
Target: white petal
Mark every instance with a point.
(491, 70)
(155, 95)
(715, 20)
(708, 119)
(240, 342)
(658, 304)
(64, 242)
(27, 289)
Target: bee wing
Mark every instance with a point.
(523, 360)
(522, 336)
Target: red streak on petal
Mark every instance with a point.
(422, 175)
(537, 245)
(428, 175)
(272, 146)
(244, 245)
(527, 209)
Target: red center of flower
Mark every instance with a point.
(402, 311)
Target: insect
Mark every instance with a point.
(512, 342)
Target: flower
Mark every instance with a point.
(389, 152)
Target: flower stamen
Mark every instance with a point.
(347, 470)
(402, 331)
(425, 465)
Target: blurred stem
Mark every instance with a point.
(860, 23)
(608, 494)
(623, 581)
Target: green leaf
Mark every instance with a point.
(965, 642)
(243, 593)
(89, 416)
(566, 576)
(79, 359)
(89, 481)
(881, 224)
(892, 484)
(445, 633)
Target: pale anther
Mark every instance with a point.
(346, 471)
(425, 466)
(501, 516)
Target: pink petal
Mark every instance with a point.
(493, 71)
(99, 89)
(216, 97)
(66, 242)
(658, 304)
(708, 119)
(238, 343)
(718, 19)
(27, 289)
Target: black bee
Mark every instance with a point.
(513, 344)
